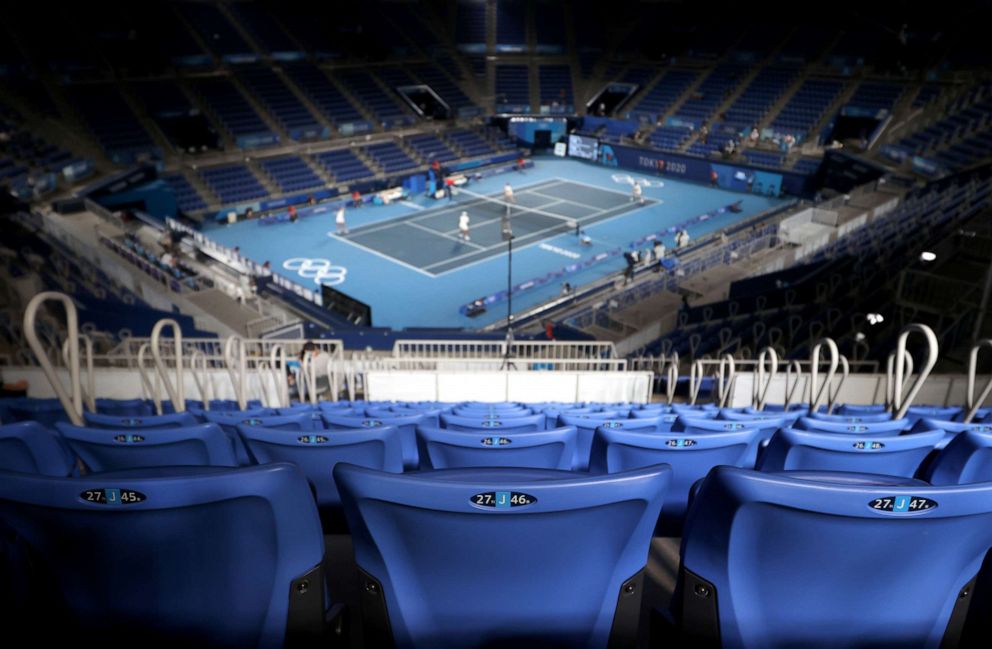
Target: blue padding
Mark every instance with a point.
(861, 418)
(108, 449)
(810, 563)
(29, 447)
(206, 559)
(447, 449)
(967, 458)
(317, 453)
(455, 574)
(898, 455)
(173, 420)
(515, 424)
(854, 428)
(691, 456)
(406, 425)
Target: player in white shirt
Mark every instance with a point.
(508, 196)
(636, 194)
(463, 226)
(339, 220)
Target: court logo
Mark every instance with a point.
(321, 271)
(627, 179)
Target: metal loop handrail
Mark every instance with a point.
(177, 392)
(71, 403)
(972, 403)
(902, 403)
(817, 392)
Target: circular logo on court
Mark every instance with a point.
(321, 271)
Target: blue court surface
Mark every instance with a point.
(408, 263)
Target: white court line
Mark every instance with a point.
(412, 205)
(379, 254)
(526, 245)
(487, 221)
(602, 189)
(444, 235)
(536, 233)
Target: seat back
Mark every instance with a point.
(494, 424)
(967, 458)
(691, 456)
(862, 428)
(317, 453)
(501, 413)
(448, 449)
(29, 447)
(770, 560)
(951, 428)
(555, 557)
(124, 407)
(106, 449)
(174, 420)
(800, 450)
(405, 424)
(200, 556)
(857, 418)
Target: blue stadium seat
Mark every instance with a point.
(29, 447)
(42, 411)
(109, 449)
(124, 407)
(173, 420)
(514, 424)
(829, 560)
(501, 413)
(555, 560)
(967, 458)
(158, 557)
(446, 449)
(317, 453)
(586, 424)
(861, 418)
(951, 428)
(800, 450)
(859, 428)
(406, 425)
(691, 456)
(300, 419)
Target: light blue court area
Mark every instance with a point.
(407, 262)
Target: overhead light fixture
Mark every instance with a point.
(875, 318)
(859, 336)
(927, 256)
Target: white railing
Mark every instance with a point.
(521, 349)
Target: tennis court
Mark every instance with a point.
(428, 241)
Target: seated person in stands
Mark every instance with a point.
(249, 213)
(292, 213)
(356, 198)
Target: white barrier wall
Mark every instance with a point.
(126, 384)
(861, 389)
(633, 387)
